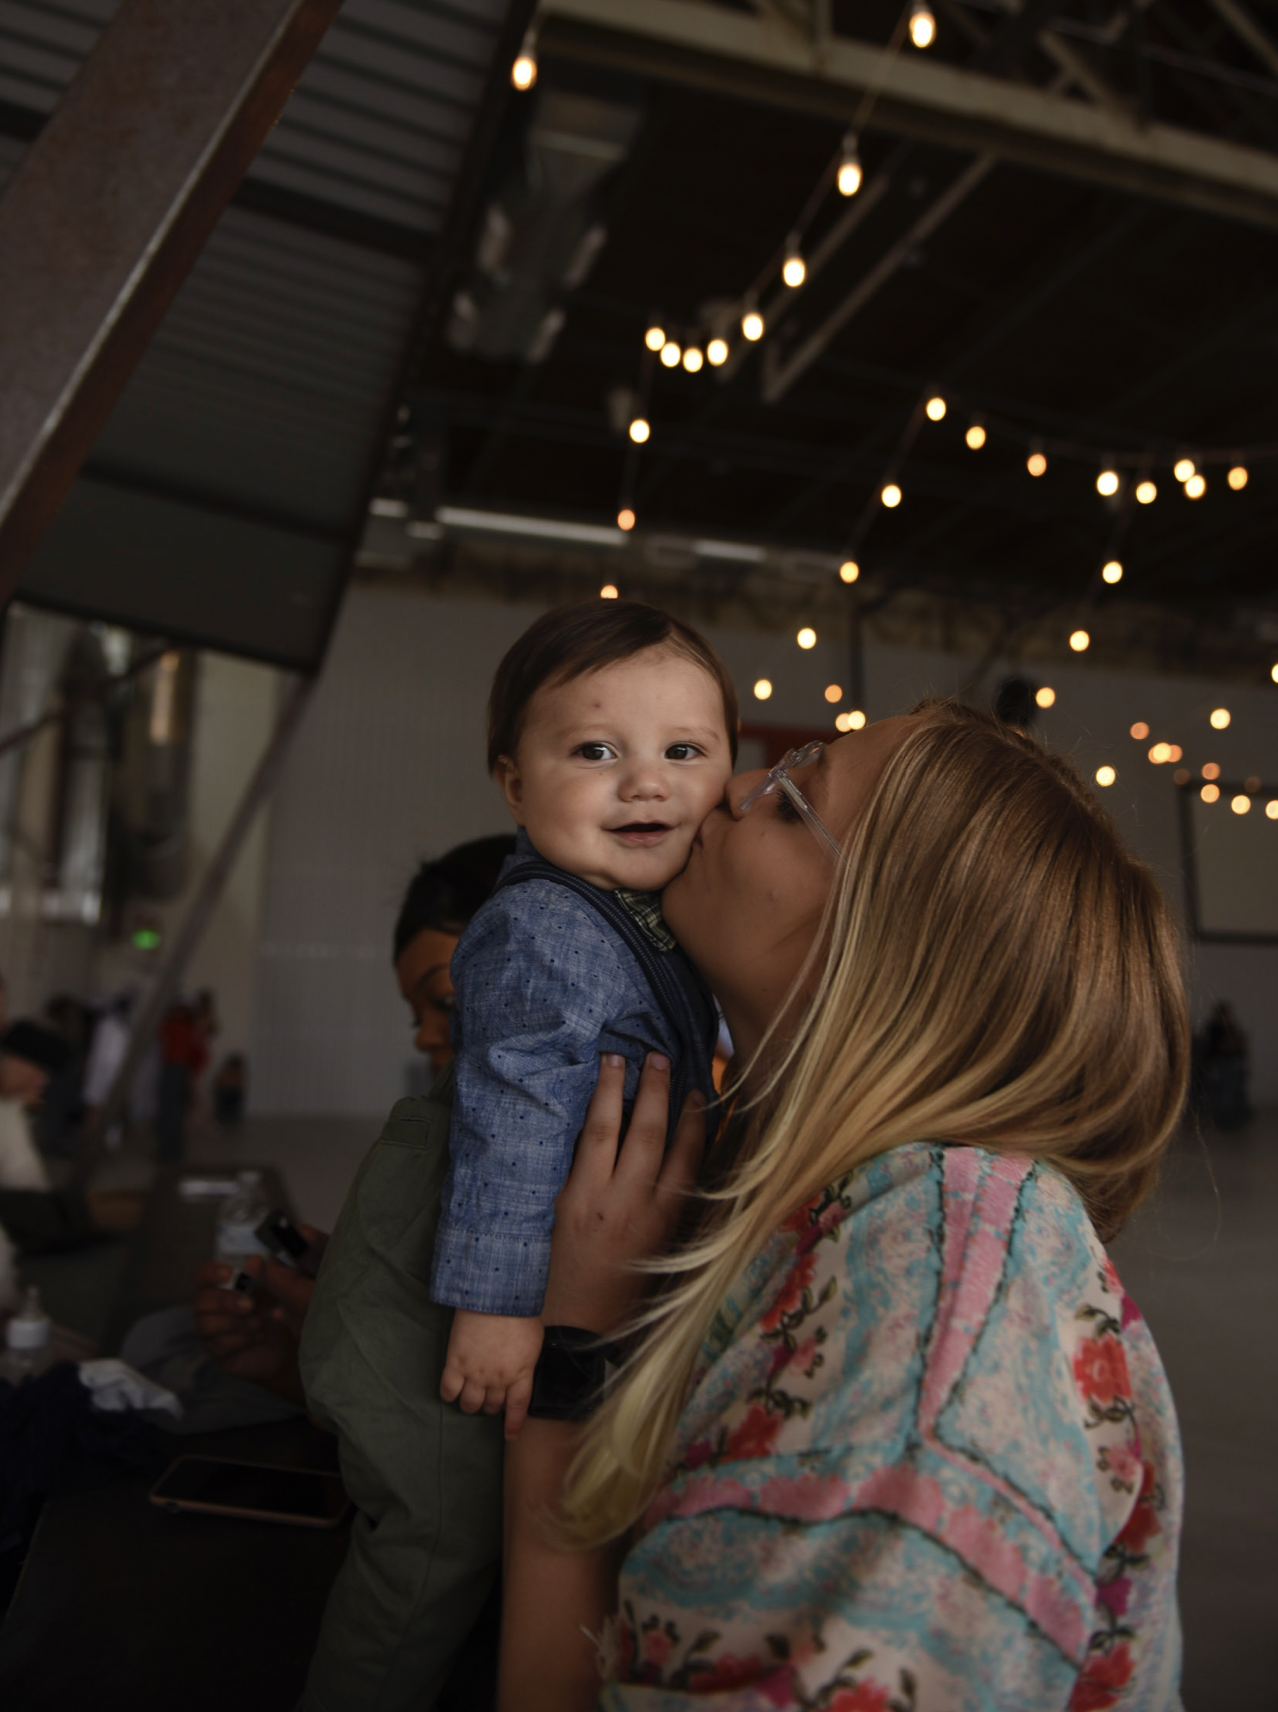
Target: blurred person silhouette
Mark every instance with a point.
(1226, 1069)
(61, 1111)
(230, 1087)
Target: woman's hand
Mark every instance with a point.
(622, 1198)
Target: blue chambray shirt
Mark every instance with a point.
(543, 986)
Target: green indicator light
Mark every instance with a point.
(146, 939)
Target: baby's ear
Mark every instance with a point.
(507, 776)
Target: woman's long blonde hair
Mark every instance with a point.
(999, 971)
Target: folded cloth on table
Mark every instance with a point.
(166, 1348)
(117, 1386)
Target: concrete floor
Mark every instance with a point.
(1201, 1260)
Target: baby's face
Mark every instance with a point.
(616, 770)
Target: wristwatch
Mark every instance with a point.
(568, 1380)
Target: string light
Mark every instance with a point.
(975, 436)
(1112, 572)
(1146, 492)
(752, 325)
(762, 689)
(936, 409)
(523, 73)
(849, 571)
(639, 430)
(1237, 478)
(850, 173)
(922, 25)
(670, 355)
(1271, 809)
(1105, 775)
(1183, 469)
(608, 592)
(1219, 720)
(1036, 464)
(834, 692)
(1107, 483)
(655, 338)
(1080, 641)
(1211, 770)
(1210, 793)
(1251, 785)
(891, 496)
(1174, 752)
(625, 518)
(1195, 487)
(1159, 753)
(692, 359)
(806, 637)
(854, 721)
(1273, 671)
(1140, 731)
(717, 352)
(1046, 696)
(793, 270)
(1181, 775)
(1240, 804)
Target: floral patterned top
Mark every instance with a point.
(929, 1463)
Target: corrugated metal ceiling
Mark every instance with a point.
(263, 396)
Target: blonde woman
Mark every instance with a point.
(888, 1435)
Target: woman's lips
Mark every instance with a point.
(641, 833)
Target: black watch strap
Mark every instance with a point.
(571, 1370)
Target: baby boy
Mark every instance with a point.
(612, 730)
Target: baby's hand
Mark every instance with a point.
(490, 1364)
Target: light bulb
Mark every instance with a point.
(1195, 487)
(717, 352)
(523, 74)
(1140, 731)
(850, 174)
(1219, 718)
(670, 355)
(1045, 697)
(806, 637)
(922, 25)
(1183, 468)
(849, 571)
(936, 410)
(1181, 775)
(1271, 809)
(834, 692)
(1210, 793)
(639, 430)
(891, 496)
(1159, 753)
(843, 722)
(752, 325)
(1112, 572)
(1105, 775)
(1174, 752)
(1273, 671)
(1146, 493)
(975, 436)
(692, 359)
(1107, 483)
(762, 689)
(794, 270)
(608, 592)
(1211, 770)
(625, 518)
(856, 720)
(1036, 464)
(1237, 478)
(1240, 804)
(1079, 641)
(655, 338)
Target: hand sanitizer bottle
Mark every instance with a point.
(27, 1352)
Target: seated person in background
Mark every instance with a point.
(29, 1054)
(256, 1337)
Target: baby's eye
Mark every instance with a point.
(683, 751)
(593, 751)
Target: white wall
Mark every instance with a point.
(389, 767)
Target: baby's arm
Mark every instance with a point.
(490, 1364)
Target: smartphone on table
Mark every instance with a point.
(258, 1491)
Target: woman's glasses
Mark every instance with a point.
(779, 779)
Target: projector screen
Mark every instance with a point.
(1231, 861)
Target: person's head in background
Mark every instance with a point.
(436, 910)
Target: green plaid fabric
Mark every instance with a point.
(645, 907)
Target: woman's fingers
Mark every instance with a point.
(649, 1122)
(601, 1132)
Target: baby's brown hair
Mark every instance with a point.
(569, 641)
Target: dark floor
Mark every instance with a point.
(1201, 1260)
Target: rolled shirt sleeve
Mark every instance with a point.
(542, 988)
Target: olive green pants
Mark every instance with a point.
(426, 1480)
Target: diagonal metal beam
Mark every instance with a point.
(711, 47)
(108, 211)
(1248, 30)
